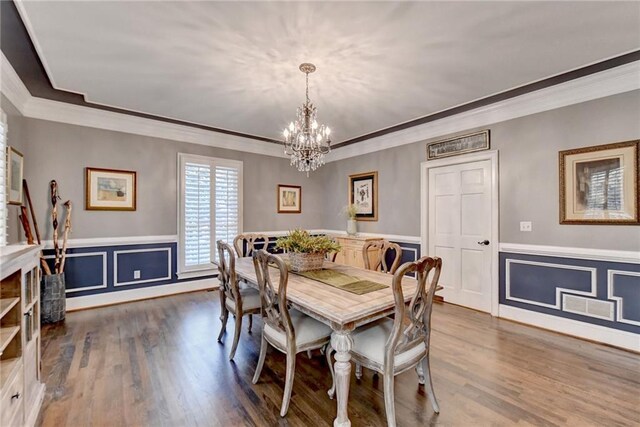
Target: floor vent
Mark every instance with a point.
(587, 306)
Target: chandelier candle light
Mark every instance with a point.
(305, 140)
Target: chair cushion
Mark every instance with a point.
(370, 341)
(307, 330)
(250, 300)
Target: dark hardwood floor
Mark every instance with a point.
(157, 363)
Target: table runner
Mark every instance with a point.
(339, 280)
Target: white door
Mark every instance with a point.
(460, 231)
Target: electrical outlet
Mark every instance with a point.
(525, 225)
(136, 274)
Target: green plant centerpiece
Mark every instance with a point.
(306, 252)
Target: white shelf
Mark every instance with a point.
(7, 304)
(6, 335)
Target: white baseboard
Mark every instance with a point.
(91, 301)
(614, 337)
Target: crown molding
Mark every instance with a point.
(11, 85)
(61, 112)
(598, 85)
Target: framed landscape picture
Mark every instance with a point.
(15, 172)
(363, 192)
(110, 190)
(289, 198)
(599, 185)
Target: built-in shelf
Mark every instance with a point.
(6, 335)
(7, 304)
(9, 366)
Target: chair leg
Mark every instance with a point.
(358, 371)
(236, 336)
(288, 382)
(223, 317)
(389, 399)
(426, 368)
(332, 390)
(263, 353)
(420, 372)
(250, 322)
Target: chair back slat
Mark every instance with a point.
(412, 324)
(380, 264)
(245, 244)
(274, 304)
(227, 268)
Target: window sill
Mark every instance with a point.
(197, 273)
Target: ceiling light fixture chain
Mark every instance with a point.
(305, 141)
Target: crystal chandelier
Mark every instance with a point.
(305, 140)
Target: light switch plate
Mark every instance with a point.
(525, 225)
(136, 274)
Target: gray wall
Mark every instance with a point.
(61, 152)
(528, 150)
(16, 139)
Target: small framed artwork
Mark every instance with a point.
(110, 190)
(599, 185)
(15, 172)
(289, 198)
(363, 192)
(458, 145)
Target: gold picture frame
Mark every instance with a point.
(110, 190)
(363, 192)
(599, 184)
(15, 174)
(289, 198)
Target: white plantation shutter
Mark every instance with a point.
(197, 214)
(3, 179)
(210, 209)
(227, 204)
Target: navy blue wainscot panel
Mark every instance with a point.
(84, 269)
(535, 282)
(153, 265)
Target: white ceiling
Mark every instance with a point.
(234, 65)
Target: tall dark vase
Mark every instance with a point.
(53, 300)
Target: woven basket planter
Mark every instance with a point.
(305, 262)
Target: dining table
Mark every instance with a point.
(342, 310)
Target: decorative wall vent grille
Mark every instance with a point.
(588, 307)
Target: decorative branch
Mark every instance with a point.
(67, 230)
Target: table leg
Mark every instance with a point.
(342, 342)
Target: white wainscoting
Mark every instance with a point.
(632, 257)
(611, 294)
(115, 241)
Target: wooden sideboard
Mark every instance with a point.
(351, 253)
(21, 389)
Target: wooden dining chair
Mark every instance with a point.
(382, 247)
(239, 302)
(392, 346)
(287, 330)
(245, 244)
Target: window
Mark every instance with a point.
(210, 209)
(3, 178)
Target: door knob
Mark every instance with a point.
(484, 243)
